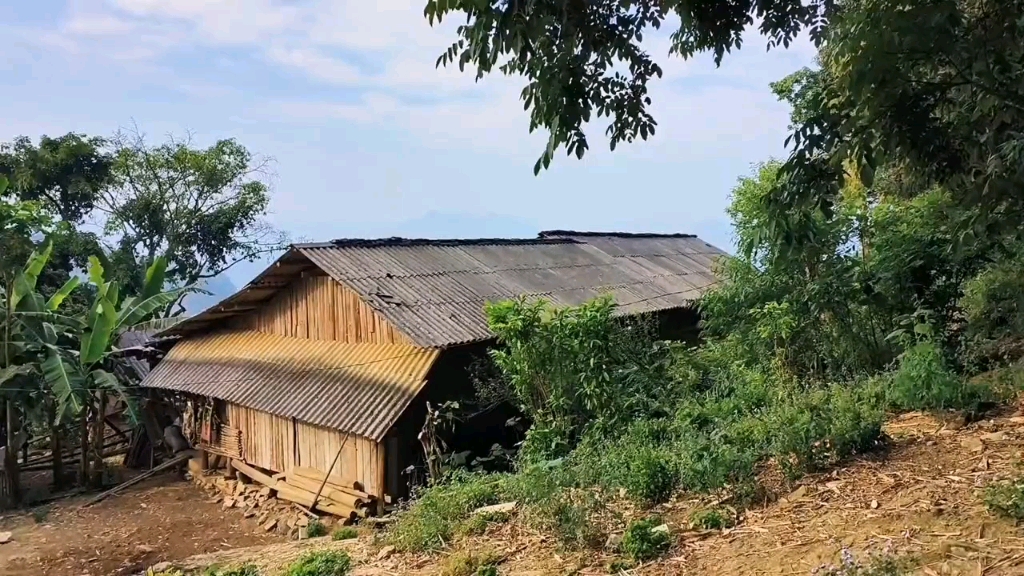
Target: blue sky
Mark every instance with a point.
(367, 137)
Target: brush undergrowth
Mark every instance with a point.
(321, 563)
(623, 414)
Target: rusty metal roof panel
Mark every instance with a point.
(358, 388)
(435, 291)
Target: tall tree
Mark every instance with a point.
(935, 87)
(200, 208)
(59, 178)
(65, 174)
(572, 53)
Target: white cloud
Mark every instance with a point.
(316, 64)
(380, 57)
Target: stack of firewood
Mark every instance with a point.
(300, 485)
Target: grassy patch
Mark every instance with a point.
(345, 533)
(242, 570)
(321, 563)
(432, 520)
(477, 524)
(471, 563)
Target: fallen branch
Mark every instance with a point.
(173, 461)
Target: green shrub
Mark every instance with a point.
(1006, 499)
(316, 529)
(711, 519)
(321, 563)
(922, 381)
(642, 542)
(345, 533)
(993, 302)
(432, 518)
(650, 476)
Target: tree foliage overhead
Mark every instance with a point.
(127, 203)
(934, 88)
(202, 209)
(586, 59)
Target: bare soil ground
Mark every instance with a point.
(160, 519)
(921, 498)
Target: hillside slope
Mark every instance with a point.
(921, 499)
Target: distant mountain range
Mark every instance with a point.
(220, 287)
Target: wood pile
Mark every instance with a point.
(299, 486)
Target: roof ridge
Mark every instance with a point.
(400, 241)
(550, 234)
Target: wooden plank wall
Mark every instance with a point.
(359, 461)
(268, 441)
(279, 444)
(320, 308)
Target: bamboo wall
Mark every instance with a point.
(360, 459)
(268, 441)
(320, 308)
(279, 444)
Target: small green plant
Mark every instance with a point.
(643, 540)
(1006, 499)
(345, 533)
(321, 563)
(316, 528)
(883, 564)
(471, 563)
(39, 514)
(243, 570)
(711, 519)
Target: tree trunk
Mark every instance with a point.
(83, 462)
(55, 449)
(97, 440)
(11, 467)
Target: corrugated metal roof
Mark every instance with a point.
(434, 291)
(358, 388)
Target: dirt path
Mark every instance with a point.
(160, 519)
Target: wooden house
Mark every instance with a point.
(337, 346)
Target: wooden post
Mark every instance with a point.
(229, 470)
(57, 465)
(97, 440)
(83, 457)
(11, 468)
(381, 477)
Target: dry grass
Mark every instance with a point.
(922, 498)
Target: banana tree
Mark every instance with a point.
(84, 378)
(30, 325)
